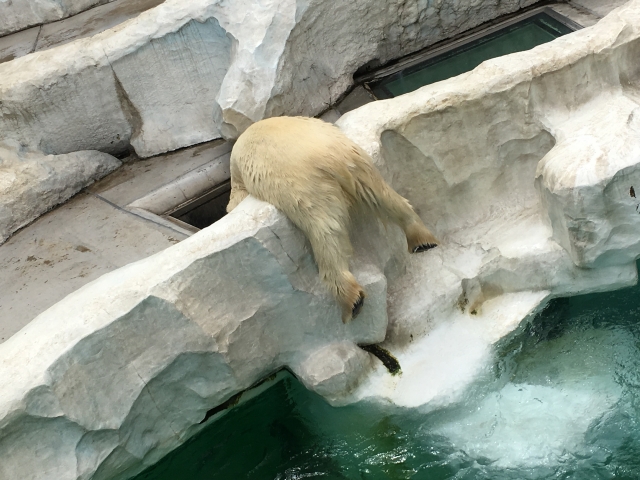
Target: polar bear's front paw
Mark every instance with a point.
(424, 247)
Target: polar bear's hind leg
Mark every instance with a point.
(374, 191)
(331, 250)
(419, 238)
(325, 223)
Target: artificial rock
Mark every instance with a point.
(17, 16)
(124, 370)
(187, 72)
(524, 170)
(32, 183)
(183, 73)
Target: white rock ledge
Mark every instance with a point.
(123, 370)
(524, 168)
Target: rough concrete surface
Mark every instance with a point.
(88, 236)
(84, 24)
(66, 249)
(91, 22)
(19, 44)
(18, 15)
(599, 7)
(579, 15)
(136, 179)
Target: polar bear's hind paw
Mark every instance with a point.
(424, 247)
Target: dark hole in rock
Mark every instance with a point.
(205, 209)
(233, 401)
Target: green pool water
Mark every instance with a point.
(524, 35)
(561, 400)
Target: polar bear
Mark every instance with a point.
(315, 175)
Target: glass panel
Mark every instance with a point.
(524, 35)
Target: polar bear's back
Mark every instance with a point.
(311, 161)
(294, 142)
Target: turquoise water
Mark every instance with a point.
(522, 36)
(560, 401)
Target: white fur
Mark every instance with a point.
(315, 175)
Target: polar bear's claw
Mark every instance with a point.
(424, 247)
(357, 306)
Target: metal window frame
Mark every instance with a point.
(186, 192)
(423, 56)
(193, 203)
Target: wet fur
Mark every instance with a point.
(315, 175)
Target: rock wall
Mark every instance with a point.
(32, 183)
(18, 15)
(311, 76)
(523, 167)
(187, 72)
